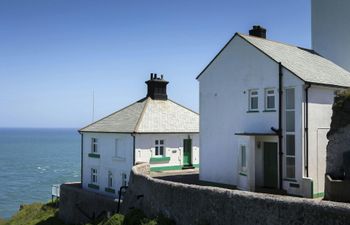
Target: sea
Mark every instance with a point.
(31, 161)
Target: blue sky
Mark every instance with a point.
(53, 53)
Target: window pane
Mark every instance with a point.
(290, 123)
(254, 103)
(244, 157)
(290, 167)
(290, 144)
(271, 92)
(270, 102)
(161, 150)
(161, 142)
(157, 150)
(253, 93)
(156, 142)
(290, 99)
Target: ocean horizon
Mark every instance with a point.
(32, 160)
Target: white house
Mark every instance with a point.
(153, 129)
(265, 111)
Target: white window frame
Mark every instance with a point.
(158, 145)
(250, 93)
(94, 174)
(94, 145)
(270, 95)
(243, 164)
(289, 133)
(110, 179)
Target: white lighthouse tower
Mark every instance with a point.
(331, 30)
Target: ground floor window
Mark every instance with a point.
(243, 158)
(93, 175)
(110, 179)
(159, 148)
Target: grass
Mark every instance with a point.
(47, 214)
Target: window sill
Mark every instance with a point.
(159, 159)
(115, 158)
(252, 111)
(94, 155)
(110, 190)
(243, 174)
(269, 110)
(94, 186)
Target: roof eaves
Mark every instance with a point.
(81, 130)
(216, 56)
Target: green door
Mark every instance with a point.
(187, 152)
(270, 165)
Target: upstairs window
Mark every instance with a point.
(159, 148)
(253, 100)
(93, 176)
(94, 145)
(270, 99)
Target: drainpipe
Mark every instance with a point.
(280, 133)
(306, 129)
(81, 158)
(133, 151)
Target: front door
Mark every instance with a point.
(270, 165)
(187, 152)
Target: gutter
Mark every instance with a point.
(306, 130)
(280, 129)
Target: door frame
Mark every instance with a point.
(189, 152)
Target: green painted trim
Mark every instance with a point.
(243, 174)
(195, 165)
(94, 186)
(94, 155)
(159, 159)
(253, 111)
(163, 168)
(312, 188)
(318, 195)
(110, 190)
(269, 110)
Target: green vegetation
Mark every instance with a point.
(47, 214)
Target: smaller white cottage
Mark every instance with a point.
(153, 129)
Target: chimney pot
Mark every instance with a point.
(258, 31)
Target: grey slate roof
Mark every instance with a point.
(148, 116)
(304, 63)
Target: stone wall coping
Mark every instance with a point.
(142, 170)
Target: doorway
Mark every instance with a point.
(270, 165)
(187, 156)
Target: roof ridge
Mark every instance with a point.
(183, 106)
(141, 115)
(265, 39)
(142, 99)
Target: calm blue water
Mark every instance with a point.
(31, 160)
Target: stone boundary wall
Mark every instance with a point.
(79, 206)
(202, 205)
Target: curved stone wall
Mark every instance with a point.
(192, 204)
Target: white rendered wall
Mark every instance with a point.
(107, 161)
(330, 30)
(224, 104)
(320, 112)
(173, 148)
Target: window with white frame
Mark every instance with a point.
(159, 147)
(94, 145)
(110, 179)
(270, 99)
(94, 176)
(243, 163)
(253, 100)
(290, 132)
(119, 152)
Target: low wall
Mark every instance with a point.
(337, 190)
(79, 206)
(192, 204)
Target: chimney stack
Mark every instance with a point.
(258, 31)
(156, 87)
